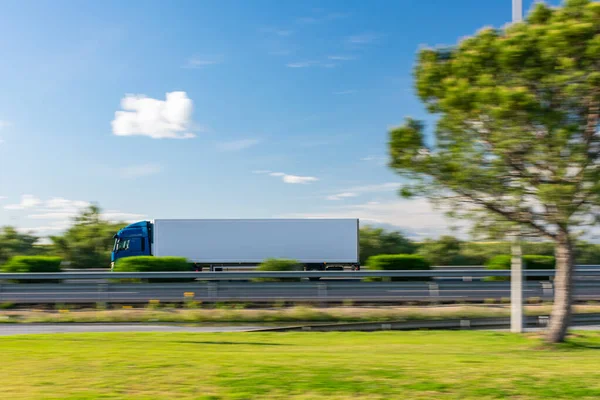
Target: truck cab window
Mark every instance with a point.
(123, 244)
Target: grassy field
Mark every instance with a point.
(382, 365)
(276, 315)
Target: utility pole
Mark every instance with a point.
(516, 269)
(517, 10)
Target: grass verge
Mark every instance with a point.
(381, 365)
(279, 315)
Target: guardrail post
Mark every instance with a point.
(547, 289)
(434, 290)
(102, 294)
(322, 292)
(213, 290)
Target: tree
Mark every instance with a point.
(13, 243)
(447, 250)
(516, 139)
(374, 241)
(87, 243)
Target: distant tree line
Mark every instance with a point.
(449, 250)
(89, 240)
(86, 244)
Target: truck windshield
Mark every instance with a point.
(121, 244)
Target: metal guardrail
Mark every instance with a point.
(308, 291)
(277, 274)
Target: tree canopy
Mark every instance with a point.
(88, 242)
(517, 133)
(14, 243)
(516, 140)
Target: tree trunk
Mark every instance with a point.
(563, 289)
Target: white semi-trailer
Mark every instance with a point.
(318, 244)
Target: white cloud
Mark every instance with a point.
(118, 216)
(287, 178)
(295, 178)
(137, 171)
(380, 160)
(58, 208)
(3, 198)
(380, 187)
(199, 62)
(158, 119)
(48, 229)
(341, 196)
(62, 203)
(27, 201)
(57, 214)
(307, 64)
(359, 190)
(4, 124)
(237, 145)
(416, 216)
(65, 215)
(300, 64)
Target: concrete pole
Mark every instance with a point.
(516, 274)
(517, 10)
(516, 286)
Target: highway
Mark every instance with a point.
(27, 329)
(319, 291)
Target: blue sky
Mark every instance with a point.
(276, 108)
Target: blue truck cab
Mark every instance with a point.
(132, 240)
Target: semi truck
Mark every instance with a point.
(317, 244)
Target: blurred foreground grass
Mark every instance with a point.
(275, 315)
(381, 365)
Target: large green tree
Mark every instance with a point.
(374, 241)
(13, 243)
(517, 138)
(447, 250)
(88, 242)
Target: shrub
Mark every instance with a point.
(529, 261)
(278, 264)
(154, 264)
(392, 262)
(33, 264)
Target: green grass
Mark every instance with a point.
(158, 313)
(381, 365)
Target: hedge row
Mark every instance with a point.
(154, 264)
(33, 264)
(394, 262)
(278, 264)
(529, 262)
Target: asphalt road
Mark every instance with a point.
(26, 329)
